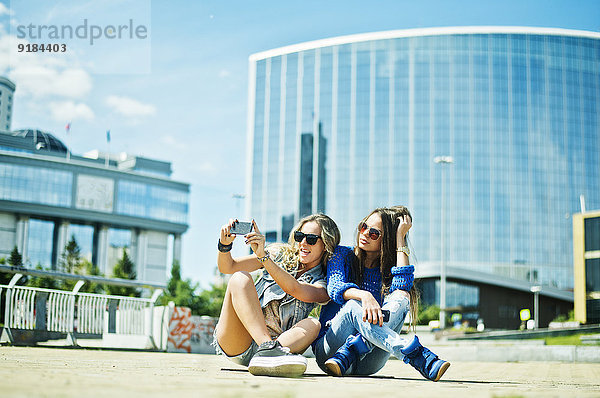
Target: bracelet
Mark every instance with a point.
(224, 248)
(403, 249)
(264, 258)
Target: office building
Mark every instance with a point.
(48, 195)
(515, 107)
(586, 260)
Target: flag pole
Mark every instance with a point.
(108, 148)
(67, 130)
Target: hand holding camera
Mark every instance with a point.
(236, 227)
(256, 241)
(233, 228)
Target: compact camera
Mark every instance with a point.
(240, 228)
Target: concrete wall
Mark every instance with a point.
(156, 261)
(8, 233)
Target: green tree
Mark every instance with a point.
(124, 269)
(15, 259)
(429, 313)
(183, 292)
(4, 276)
(70, 259)
(565, 318)
(88, 268)
(211, 300)
(174, 280)
(47, 282)
(179, 291)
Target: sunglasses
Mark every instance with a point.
(373, 233)
(311, 239)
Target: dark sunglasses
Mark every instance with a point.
(374, 233)
(311, 239)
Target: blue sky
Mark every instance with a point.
(186, 100)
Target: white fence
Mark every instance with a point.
(91, 311)
(76, 314)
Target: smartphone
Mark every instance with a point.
(386, 315)
(241, 228)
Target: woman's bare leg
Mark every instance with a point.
(301, 335)
(241, 319)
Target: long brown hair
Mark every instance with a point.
(387, 255)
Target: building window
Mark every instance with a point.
(35, 185)
(592, 234)
(39, 243)
(84, 236)
(118, 240)
(592, 275)
(151, 201)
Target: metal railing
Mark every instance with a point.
(91, 309)
(74, 313)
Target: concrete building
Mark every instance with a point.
(586, 259)
(517, 110)
(7, 89)
(129, 202)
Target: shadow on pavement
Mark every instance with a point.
(371, 377)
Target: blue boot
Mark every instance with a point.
(346, 355)
(425, 361)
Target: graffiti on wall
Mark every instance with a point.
(190, 333)
(180, 330)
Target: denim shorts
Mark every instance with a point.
(240, 359)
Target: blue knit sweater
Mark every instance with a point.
(339, 279)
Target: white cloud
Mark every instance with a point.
(4, 10)
(223, 73)
(50, 82)
(66, 111)
(129, 107)
(43, 81)
(42, 76)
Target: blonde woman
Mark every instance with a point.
(265, 325)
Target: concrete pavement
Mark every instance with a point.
(58, 372)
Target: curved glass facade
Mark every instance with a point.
(517, 111)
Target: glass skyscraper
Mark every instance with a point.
(517, 109)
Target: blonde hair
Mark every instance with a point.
(288, 252)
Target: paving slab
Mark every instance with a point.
(59, 372)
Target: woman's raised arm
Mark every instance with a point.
(225, 261)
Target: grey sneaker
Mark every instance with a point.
(271, 359)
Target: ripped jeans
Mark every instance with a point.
(385, 340)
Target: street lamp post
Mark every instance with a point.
(536, 305)
(443, 160)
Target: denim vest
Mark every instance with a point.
(291, 310)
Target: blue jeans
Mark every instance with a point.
(385, 340)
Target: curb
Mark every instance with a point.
(516, 353)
